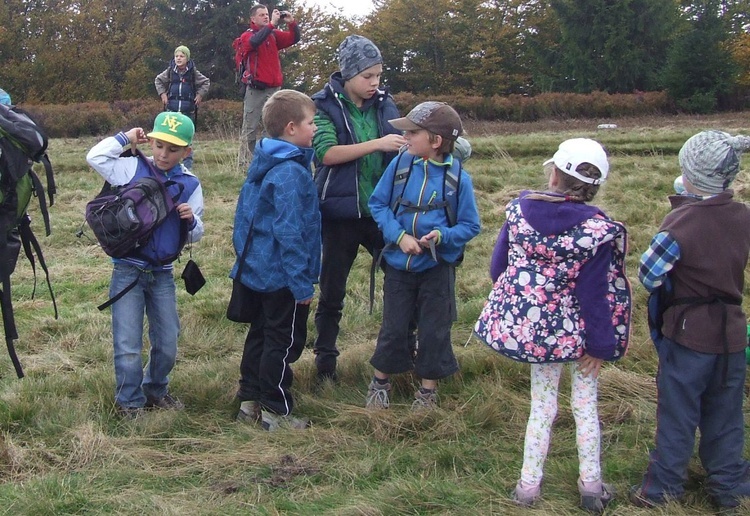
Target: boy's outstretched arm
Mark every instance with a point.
(329, 152)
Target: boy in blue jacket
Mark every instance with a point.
(148, 272)
(278, 219)
(425, 225)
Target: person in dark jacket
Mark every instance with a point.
(258, 53)
(182, 88)
(702, 251)
(353, 145)
(277, 239)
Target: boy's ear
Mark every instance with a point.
(186, 151)
(438, 142)
(290, 128)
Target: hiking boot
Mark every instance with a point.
(272, 422)
(638, 499)
(595, 495)
(425, 400)
(377, 395)
(130, 413)
(166, 402)
(526, 495)
(249, 412)
(324, 376)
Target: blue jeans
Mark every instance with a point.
(155, 296)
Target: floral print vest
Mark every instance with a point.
(532, 314)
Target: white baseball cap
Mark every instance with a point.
(575, 151)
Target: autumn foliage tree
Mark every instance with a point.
(65, 51)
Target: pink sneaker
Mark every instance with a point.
(526, 495)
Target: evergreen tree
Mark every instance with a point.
(612, 45)
(700, 71)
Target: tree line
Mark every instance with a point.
(66, 51)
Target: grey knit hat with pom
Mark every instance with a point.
(710, 160)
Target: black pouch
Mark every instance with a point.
(193, 277)
(242, 304)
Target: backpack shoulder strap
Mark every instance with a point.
(400, 178)
(451, 186)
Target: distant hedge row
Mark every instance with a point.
(225, 116)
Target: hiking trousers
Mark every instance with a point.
(341, 242)
(252, 109)
(429, 291)
(698, 391)
(278, 329)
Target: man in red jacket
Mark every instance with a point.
(259, 47)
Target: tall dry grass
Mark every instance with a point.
(64, 451)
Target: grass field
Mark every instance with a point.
(64, 451)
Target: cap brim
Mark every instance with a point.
(169, 138)
(404, 124)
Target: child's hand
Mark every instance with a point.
(391, 142)
(432, 235)
(185, 212)
(589, 366)
(164, 99)
(410, 245)
(136, 135)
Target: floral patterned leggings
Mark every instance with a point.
(544, 388)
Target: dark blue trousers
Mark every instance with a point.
(698, 391)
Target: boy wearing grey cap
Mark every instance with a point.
(701, 252)
(426, 209)
(353, 144)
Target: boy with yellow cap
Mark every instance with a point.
(143, 281)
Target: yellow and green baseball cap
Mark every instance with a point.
(174, 128)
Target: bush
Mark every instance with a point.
(225, 116)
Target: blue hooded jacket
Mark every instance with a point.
(278, 210)
(425, 184)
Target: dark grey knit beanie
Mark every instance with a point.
(710, 160)
(356, 54)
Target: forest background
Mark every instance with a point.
(695, 51)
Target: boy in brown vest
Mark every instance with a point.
(701, 252)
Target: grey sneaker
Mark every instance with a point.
(272, 422)
(525, 495)
(425, 400)
(377, 395)
(595, 496)
(249, 412)
(166, 402)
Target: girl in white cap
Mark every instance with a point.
(561, 296)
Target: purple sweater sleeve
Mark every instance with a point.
(499, 261)
(591, 290)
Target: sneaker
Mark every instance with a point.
(527, 495)
(377, 395)
(249, 412)
(425, 400)
(638, 499)
(166, 402)
(595, 495)
(272, 422)
(130, 413)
